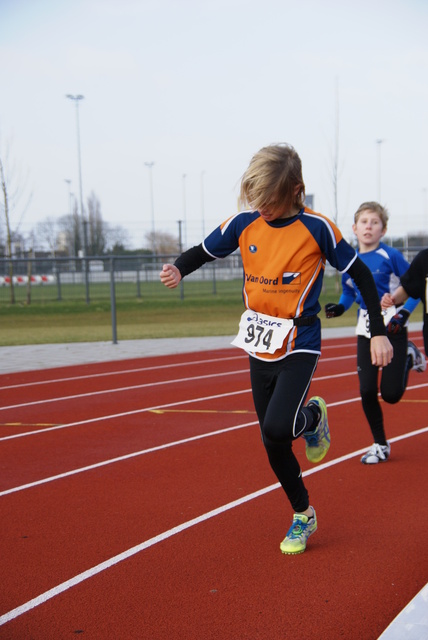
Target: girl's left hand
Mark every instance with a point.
(381, 351)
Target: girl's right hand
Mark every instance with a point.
(387, 301)
(170, 276)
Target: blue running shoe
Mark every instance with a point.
(318, 441)
(298, 533)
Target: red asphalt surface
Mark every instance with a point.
(137, 502)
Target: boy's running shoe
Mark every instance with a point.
(298, 533)
(377, 453)
(318, 441)
(419, 362)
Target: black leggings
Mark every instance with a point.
(393, 381)
(279, 391)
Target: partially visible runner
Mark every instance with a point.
(284, 246)
(387, 265)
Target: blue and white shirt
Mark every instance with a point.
(387, 265)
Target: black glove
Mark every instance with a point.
(396, 324)
(333, 310)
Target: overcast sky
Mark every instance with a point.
(197, 87)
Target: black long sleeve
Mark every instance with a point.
(192, 259)
(363, 278)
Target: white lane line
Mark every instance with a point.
(127, 456)
(103, 566)
(151, 449)
(123, 414)
(150, 385)
(119, 372)
(121, 389)
(173, 404)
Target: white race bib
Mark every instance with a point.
(260, 333)
(363, 324)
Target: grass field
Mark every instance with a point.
(157, 313)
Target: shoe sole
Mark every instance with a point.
(379, 460)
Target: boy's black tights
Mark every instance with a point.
(393, 381)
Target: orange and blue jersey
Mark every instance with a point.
(284, 262)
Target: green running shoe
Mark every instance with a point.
(298, 533)
(318, 441)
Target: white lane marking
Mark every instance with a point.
(150, 385)
(121, 389)
(122, 414)
(127, 456)
(119, 372)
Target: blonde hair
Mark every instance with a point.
(272, 177)
(376, 208)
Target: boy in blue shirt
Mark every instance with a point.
(387, 265)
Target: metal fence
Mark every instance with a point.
(105, 277)
(95, 278)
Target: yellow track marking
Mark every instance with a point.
(196, 411)
(27, 424)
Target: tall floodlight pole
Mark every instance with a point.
(152, 207)
(76, 99)
(425, 222)
(203, 203)
(180, 237)
(379, 174)
(180, 250)
(184, 211)
(69, 196)
(70, 206)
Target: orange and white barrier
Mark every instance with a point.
(23, 280)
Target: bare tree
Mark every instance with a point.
(335, 170)
(116, 238)
(48, 231)
(2, 235)
(70, 229)
(96, 231)
(166, 243)
(5, 204)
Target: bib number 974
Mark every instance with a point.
(257, 335)
(260, 333)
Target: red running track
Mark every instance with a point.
(137, 503)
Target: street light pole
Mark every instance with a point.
(203, 203)
(68, 194)
(180, 250)
(76, 100)
(150, 167)
(184, 211)
(379, 142)
(70, 210)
